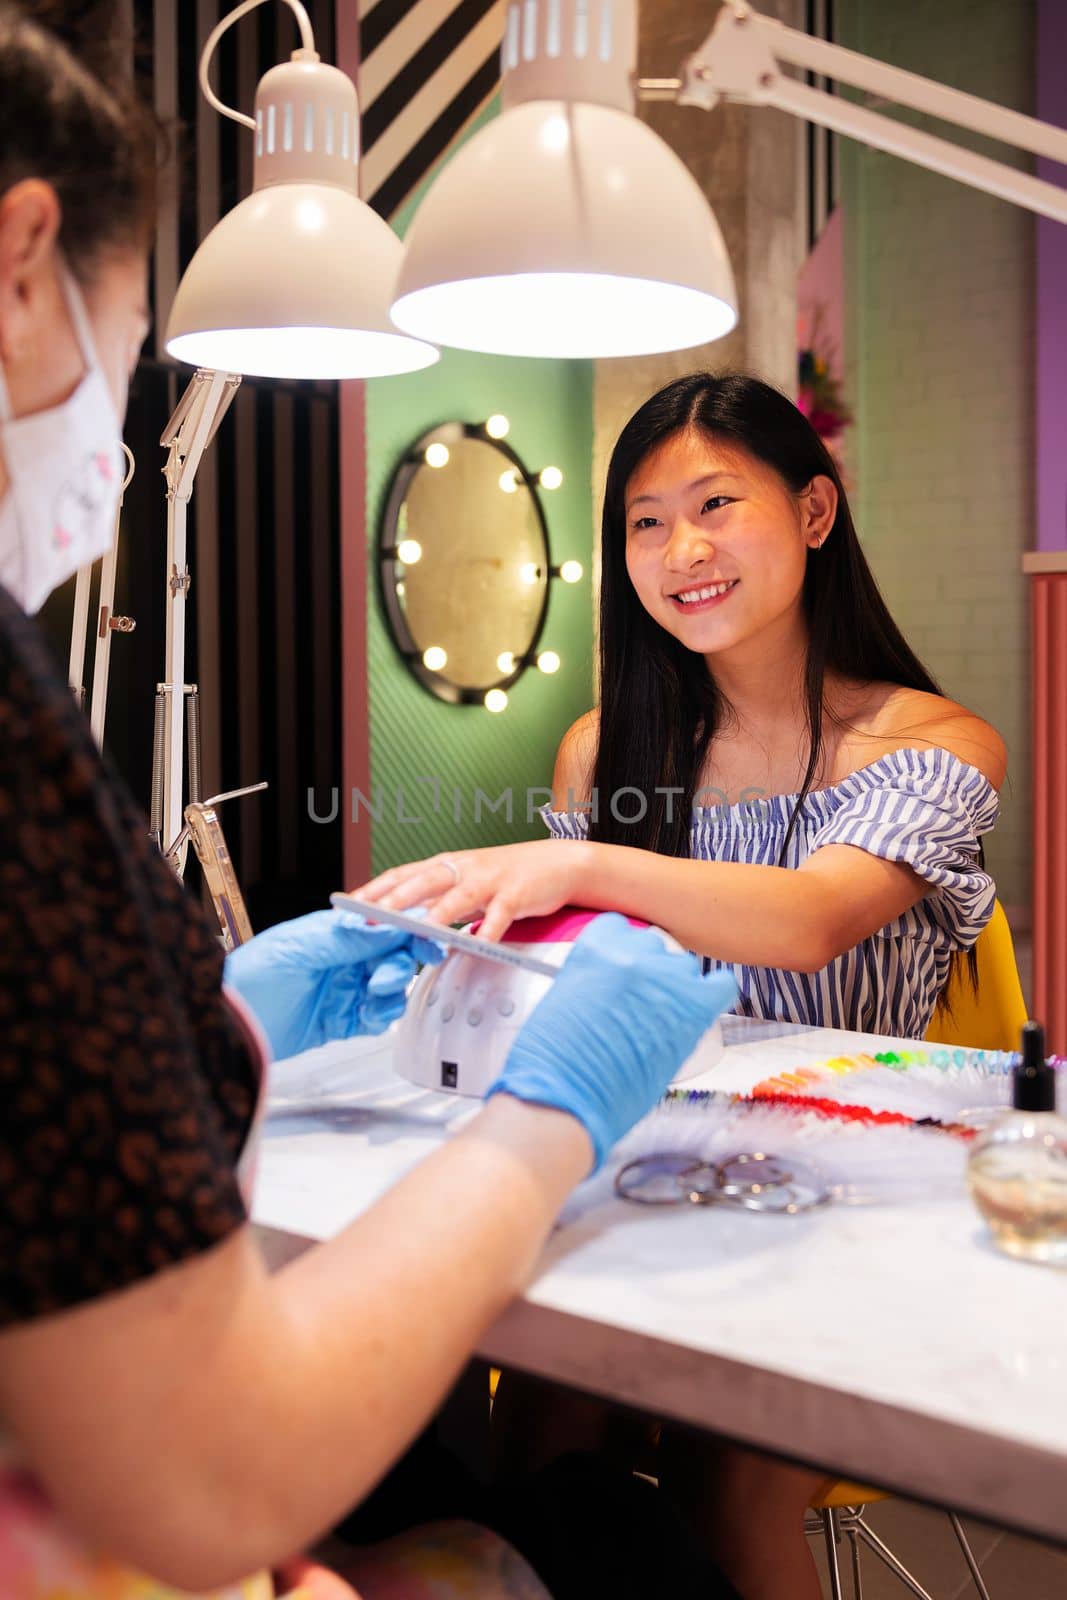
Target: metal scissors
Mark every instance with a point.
(750, 1181)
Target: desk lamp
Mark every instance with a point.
(296, 280)
(566, 227)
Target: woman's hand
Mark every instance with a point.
(325, 976)
(623, 1015)
(502, 883)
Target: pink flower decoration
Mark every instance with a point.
(104, 465)
(61, 538)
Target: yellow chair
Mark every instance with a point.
(990, 1020)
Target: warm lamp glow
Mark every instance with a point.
(564, 314)
(298, 352)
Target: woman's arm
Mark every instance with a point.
(798, 918)
(753, 915)
(794, 918)
(213, 1419)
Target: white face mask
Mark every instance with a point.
(64, 474)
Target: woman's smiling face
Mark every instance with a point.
(716, 544)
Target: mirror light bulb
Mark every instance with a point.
(529, 572)
(496, 700)
(505, 661)
(497, 426)
(437, 454)
(435, 658)
(509, 481)
(551, 478)
(548, 661)
(571, 571)
(409, 551)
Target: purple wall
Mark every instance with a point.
(1051, 293)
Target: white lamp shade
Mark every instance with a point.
(565, 229)
(294, 282)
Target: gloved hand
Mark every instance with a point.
(614, 1028)
(326, 976)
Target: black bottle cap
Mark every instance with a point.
(1033, 1081)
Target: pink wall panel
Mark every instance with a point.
(1050, 804)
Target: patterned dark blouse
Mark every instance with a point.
(126, 1089)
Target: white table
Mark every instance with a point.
(886, 1343)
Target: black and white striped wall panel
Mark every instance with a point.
(426, 68)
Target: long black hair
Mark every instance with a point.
(660, 707)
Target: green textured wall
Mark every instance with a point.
(413, 735)
(939, 301)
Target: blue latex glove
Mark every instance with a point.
(614, 1028)
(326, 976)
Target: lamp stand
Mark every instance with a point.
(107, 623)
(185, 438)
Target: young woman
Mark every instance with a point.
(800, 801)
(165, 1404)
(771, 775)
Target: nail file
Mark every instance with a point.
(508, 954)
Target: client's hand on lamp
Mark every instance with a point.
(614, 1028)
(325, 976)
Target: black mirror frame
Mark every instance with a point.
(413, 461)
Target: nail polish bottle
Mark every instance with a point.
(1017, 1167)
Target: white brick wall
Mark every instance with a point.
(939, 292)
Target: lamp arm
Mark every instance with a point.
(193, 425)
(307, 42)
(741, 59)
(909, 89)
(924, 149)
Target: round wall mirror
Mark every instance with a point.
(464, 563)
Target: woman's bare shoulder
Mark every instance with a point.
(573, 774)
(894, 718)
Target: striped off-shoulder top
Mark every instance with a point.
(926, 808)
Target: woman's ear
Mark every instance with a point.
(818, 508)
(29, 226)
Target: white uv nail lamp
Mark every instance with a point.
(463, 1015)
